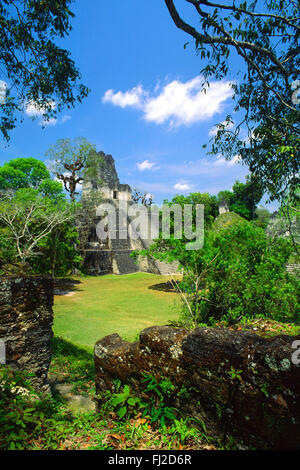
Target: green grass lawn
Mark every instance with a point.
(110, 304)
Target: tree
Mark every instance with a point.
(29, 173)
(35, 70)
(210, 204)
(52, 189)
(72, 162)
(244, 276)
(264, 39)
(59, 253)
(244, 197)
(23, 173)
(28, 217)
(26, 181)
(225, 196)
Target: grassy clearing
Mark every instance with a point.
(98, 307)
(110, 304)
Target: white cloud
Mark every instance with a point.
(32, 111)
(183, 186)
(186, 103)
(179, 103)
(146, 165)
(134, 97)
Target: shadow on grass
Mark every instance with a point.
(163, 287)
(70, 363)
(64, 285)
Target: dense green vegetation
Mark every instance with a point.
(244, 197)
(37, 221)
(238, 274)
(245, 275)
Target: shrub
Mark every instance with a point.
(244, 275)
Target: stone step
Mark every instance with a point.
(124, 264)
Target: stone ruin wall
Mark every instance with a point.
(238, 383)
(26, 319)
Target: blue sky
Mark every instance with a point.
(145, 107)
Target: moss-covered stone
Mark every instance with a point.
(26, 319)
(238, 382)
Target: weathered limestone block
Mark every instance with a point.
(239, 383)
(26, 319)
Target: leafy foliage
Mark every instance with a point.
(290, 214)
(260, 42)
(20, 417)
(244, 276)
(37, 72)
(125, 403)
(59, 253)
(35, 214)
(160, 394)
(28, 218)
(244, 197)
(23, 173)
(240, 271)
